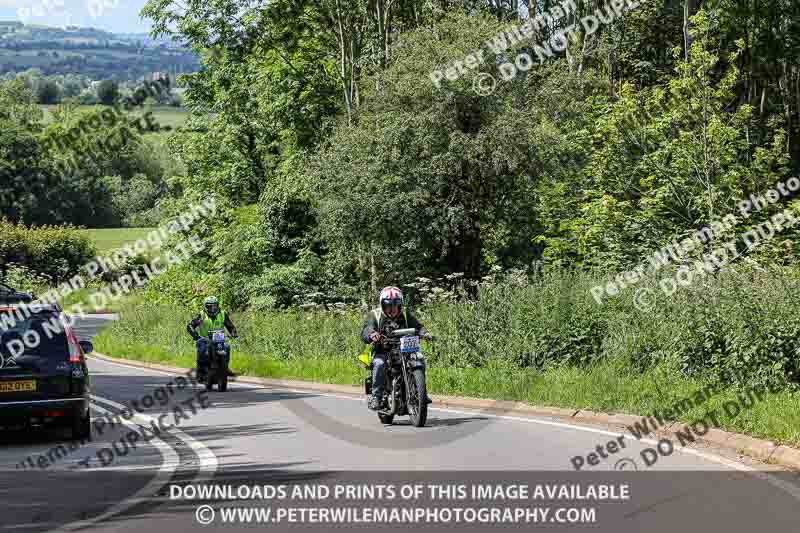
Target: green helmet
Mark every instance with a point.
(211, 305)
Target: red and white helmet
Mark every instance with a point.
(391, 296)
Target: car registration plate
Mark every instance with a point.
(18, 386)
(409, 344)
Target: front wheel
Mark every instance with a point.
(418, 398)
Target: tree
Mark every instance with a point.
(48, 92)
(107, 92)
(72, 88)
(421, 184)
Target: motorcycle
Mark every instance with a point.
(217, 371)
(406, 390)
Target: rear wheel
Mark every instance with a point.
(418, 398)
(82, 427)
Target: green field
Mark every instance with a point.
(164, 115)
(107, 240)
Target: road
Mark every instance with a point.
(264, 436)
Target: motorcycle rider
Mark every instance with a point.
(386, 317)
(202, 324)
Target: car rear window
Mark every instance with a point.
(43, 331)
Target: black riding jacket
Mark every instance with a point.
(384, 324)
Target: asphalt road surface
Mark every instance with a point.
(264, 440)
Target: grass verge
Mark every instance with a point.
(324, 349)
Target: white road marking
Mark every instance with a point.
(168, 466)
(791, 489)
(208, 461)
(208, 464)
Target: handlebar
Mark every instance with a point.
(404, 332)
(393, 339)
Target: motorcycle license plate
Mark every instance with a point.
(218, 336)
(409, 344)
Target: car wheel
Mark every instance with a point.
(82, 427)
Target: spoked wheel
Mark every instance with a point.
(418, 398)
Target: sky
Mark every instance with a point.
(118, 16)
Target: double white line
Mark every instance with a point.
(171, 461)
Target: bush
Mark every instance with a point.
(738, 327)
(182, 286)
(25, 279)
(107, 92)
(57, 252)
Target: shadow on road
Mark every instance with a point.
(445, 422)
(45, 501)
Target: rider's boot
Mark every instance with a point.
(374, 402)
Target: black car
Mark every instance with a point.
(9, 295)
(44, 379)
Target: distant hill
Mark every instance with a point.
(91, 52)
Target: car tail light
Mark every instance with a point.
(53, 414)
(72, 342)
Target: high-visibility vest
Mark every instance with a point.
(208, 324)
